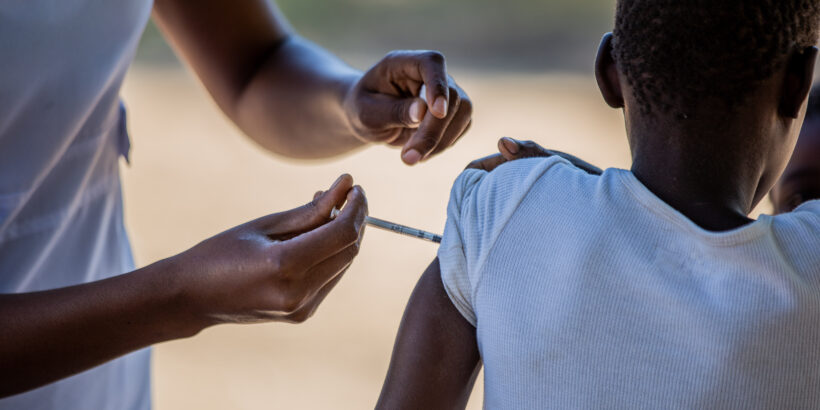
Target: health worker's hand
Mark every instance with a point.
(510, 150)
(276, 268)
(386, 105)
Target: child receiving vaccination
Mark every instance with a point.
(800, 181)
(649, 287)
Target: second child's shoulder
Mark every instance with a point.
(803, 223)
(798, 236)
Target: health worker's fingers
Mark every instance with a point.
(325, 271)
(430, 134)
(309, 308)
(428, 67)
(313, 247)
(402, 137)
(382, 112)
(308, 216)
(457, 127)
(466, 130)
(328, 273)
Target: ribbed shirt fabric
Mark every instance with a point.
(590, 292)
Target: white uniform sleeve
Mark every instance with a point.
(481, 204)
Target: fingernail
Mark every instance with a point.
(415, 112)
(510, 145)
(411, 157)
(440, 106)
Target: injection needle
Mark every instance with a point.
(397, 228)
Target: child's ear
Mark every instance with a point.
(797, 81)
(606, 73)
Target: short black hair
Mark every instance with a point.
(676, 53)
(813, 106)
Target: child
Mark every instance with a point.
(648, 288)
(800, 181)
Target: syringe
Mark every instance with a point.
(390, 226)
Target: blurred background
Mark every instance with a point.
(519, 35)
(527, 65)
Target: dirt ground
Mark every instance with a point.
(192, 174)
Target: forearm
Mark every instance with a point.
(275, 268)
(293, 105)
(282, 91)
(53, 334)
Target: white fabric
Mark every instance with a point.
(590, 292)
(62, 130)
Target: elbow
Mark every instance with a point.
(283, 139)
(244, 83)
(270, 54)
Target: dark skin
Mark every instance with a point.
(431, 326)
(511, 149)
(292, 98)
(264, 77)
(276, 268)
(717, 197)
(800, 181)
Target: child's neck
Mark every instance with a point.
(711, 187)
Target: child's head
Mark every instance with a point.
(800, 181)
(719, 86)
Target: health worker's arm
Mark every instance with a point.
(435, 358)
(298, 100)
(276, 268)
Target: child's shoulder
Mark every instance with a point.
(482, 203)
(486, 200)
(510, 182)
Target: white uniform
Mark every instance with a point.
(62, 131)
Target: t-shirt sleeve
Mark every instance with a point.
(451, 254)
(481, 204)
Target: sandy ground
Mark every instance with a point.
(192, 175)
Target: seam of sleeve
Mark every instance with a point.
(461, 309)
(464, 307)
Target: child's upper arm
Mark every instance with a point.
(480, 206)
(435, 358)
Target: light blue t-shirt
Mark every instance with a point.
(589, 292)
(62, 131)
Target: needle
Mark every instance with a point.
(401, 229)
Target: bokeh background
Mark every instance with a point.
(526, 64)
